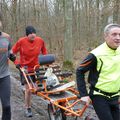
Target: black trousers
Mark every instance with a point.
(106, 108)
(5, 97)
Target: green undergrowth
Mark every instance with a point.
(67, 66)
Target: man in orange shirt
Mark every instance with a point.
(29, 47)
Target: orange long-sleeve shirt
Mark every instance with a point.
(29, 51)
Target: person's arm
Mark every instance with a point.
(44, 50)
(86, 65)
(15, 49)
(11, 56)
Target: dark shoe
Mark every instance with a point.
(28, 112)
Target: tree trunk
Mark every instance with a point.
(116, 10)
(68, 41)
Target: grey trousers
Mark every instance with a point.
(5, 89)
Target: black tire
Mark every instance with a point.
(57, 115)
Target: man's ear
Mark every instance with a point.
(105, 35)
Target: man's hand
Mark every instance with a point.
(18, 66)
(86, 99)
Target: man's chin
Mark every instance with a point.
(118, 45)
(31, 40)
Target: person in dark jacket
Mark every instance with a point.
(103, 64)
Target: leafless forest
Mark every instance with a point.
(70, 29)
(67, 26)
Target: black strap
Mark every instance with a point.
(0, 33)
(105, 93)
(100, 66)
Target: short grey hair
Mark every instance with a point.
(110, 26)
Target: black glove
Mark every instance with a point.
(12, 57)
(18, 66)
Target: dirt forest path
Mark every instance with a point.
(39, 107)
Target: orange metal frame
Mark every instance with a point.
(66, 104)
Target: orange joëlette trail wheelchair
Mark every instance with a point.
(62, 99)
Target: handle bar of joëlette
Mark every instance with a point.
(24, 72)
(28, 79)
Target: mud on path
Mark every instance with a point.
(39, 108)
